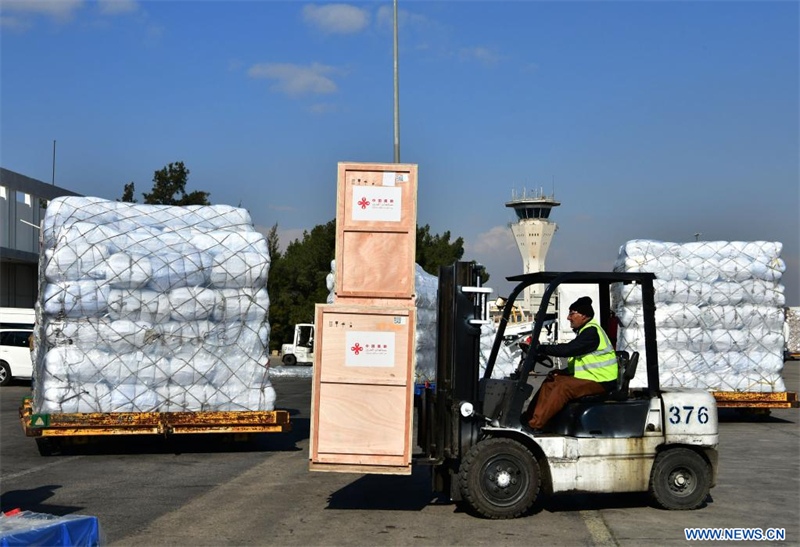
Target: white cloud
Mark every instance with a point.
(153, 34)
(21, 14)
(498, 240)
(116, 7)
(336, 18)
(14, 23)
(497, 251)
(481, 54)
(405, 18)
(58, 10)
(235, 65)
(323, 108)
(284, 236)
(289, 235)
(530, 68)
(288, 208)
(296, 80)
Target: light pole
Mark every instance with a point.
(396, 93)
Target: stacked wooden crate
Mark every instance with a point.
(362, 402)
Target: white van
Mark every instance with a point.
(16, 327)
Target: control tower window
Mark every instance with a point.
(524, 213)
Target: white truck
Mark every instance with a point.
(16, 327)
(301, 350)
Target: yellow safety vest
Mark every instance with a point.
(599, 365)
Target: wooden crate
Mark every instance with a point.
(362, 398)
(376, 233)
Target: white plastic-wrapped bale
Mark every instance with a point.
(719, 313)
(150, 308)
(792, 331)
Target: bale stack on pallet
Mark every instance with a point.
(149, 308)
(719, 313)
(792, 333)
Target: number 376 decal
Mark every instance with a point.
(687, 414)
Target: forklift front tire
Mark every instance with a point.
(680, 480)
(499, 478)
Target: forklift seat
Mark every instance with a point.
(610, 414)
(627, 370)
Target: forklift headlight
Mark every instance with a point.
(467, 409)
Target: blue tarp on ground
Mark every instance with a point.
(26, 528)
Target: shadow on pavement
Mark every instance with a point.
(587, 502)
(386, 492)
(35, 500)
(749, 415)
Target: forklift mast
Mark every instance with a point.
(458, 355)
(442, 433)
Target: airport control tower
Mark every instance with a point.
(533, 232)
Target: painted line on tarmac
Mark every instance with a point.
(601, 535)
(38, 468)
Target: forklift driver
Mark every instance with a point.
(592, 366)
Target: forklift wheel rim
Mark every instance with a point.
(504, 480)
(682, 481)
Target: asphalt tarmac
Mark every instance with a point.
(215, 491)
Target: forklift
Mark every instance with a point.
(484, 456)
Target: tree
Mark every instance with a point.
(435, 250)
(297, 281)
(128, 193)
(169, 188)
(297, 278)
(168, 182)
(273, 243)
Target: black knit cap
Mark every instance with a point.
(583, 306)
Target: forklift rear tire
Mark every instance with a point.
(680, 480)
(499, 478)
(289, 360)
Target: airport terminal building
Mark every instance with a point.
(22, 204)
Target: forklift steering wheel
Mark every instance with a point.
(545, 360)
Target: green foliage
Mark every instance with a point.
(297, 281)
(273, 243)
(435, 250)
(169, 188)
(128, 193)
(297, 277)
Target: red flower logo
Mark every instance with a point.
(363, 203)
(357, 348)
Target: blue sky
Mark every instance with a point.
(653, 120)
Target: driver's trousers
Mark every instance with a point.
(555, 393)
